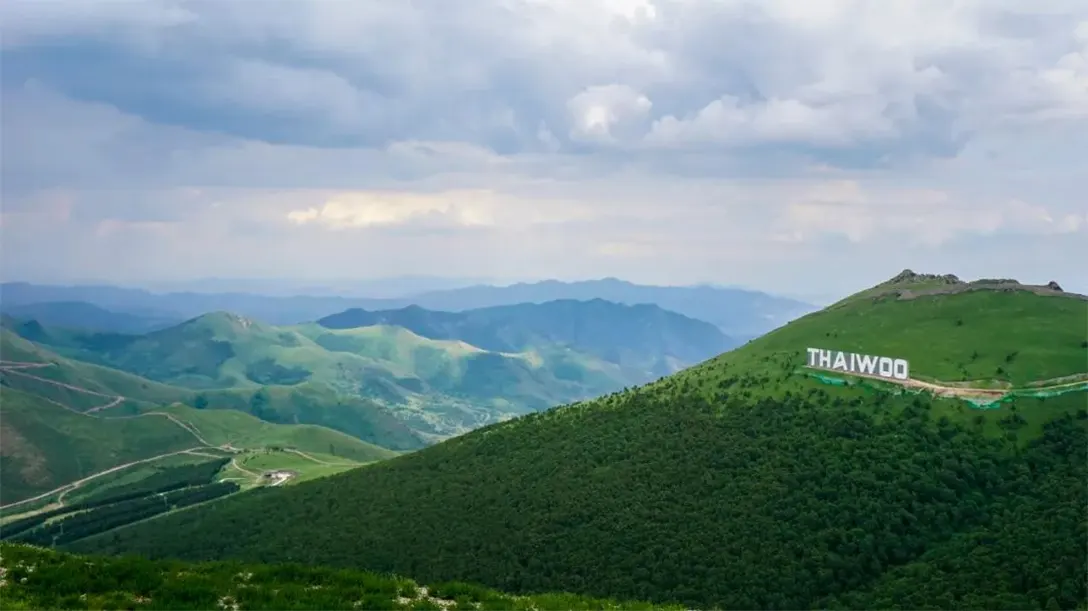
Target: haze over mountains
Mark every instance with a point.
(736, 312)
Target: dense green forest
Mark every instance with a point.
(33, 578)
(663, 494)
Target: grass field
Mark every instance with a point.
(45, 445)
(240, 430)
(304, 467)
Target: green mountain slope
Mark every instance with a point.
(241, 430)
(534, 357)
(64, 420)
(87, 386)
(46, 445)
(52, 380)
(41, 579)
(740, 483)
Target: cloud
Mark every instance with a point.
(922, 217)
(359, 210)
(599, 110)
(669, 141)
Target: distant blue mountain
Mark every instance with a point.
(737, 312)
(83, 315)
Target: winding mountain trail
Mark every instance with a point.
(234, 463)
(86, 391)
(316, 460)
(116, 401)
(14, 367)
(8, 365)
(66, 488)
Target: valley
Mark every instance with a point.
(856, 495)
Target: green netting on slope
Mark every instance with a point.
(975, 402)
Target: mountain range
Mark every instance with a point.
(441, 373)
(737, 312)
(752, 479)
(747, 481)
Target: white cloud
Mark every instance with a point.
(922, 217)
(360, 210)
(659, 140)
(599, 110)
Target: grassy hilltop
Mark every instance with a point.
(739, 483)
(973, 333)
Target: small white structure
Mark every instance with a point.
(277, 478)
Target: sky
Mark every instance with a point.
(803, 148)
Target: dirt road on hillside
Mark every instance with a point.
(14, 367)
(962, 392)
(316, 460)
(66, 488)
(86, 391)
(22, 365)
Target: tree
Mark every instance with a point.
(201, 401)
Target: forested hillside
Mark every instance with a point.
(741, 483)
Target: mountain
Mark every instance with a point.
(641, 336)
(43, 579)
(54, 377)
(83, 315)
(50, 442)
(748, 481)
(47, 445)
(78, 458)
(414, 364)
(735, 311)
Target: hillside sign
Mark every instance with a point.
(861, 364)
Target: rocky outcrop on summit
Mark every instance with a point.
(910, 277)
(910, 285)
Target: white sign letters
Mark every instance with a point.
(863, 364)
